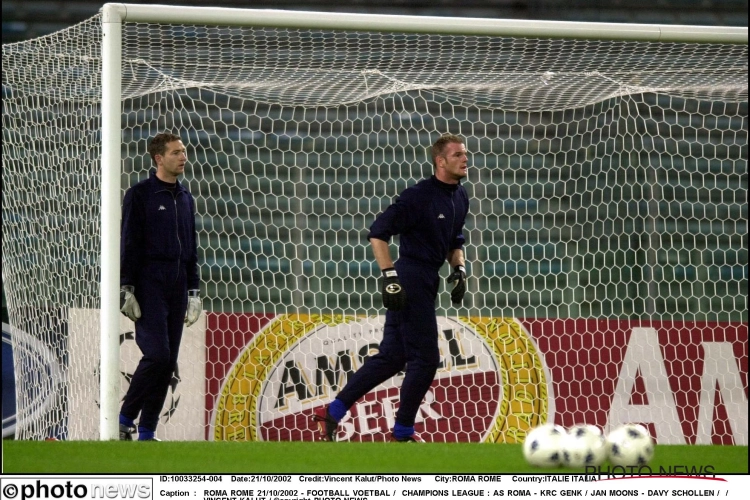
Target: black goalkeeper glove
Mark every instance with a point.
(394, 297)
(458, 278)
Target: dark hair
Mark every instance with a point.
(439, 147)
(158, 144)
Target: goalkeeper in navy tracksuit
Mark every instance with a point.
(429, 217)
(158, 280)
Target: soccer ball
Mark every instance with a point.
(630, 445)
(543, 445)
(583, 445)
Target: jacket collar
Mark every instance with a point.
(443, 185)
(158, 185)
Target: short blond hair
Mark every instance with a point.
(439, 147)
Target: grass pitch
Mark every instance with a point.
(57, 457)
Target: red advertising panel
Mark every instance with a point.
(499, 377)
(687, 381)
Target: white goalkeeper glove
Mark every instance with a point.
(194, 307)
(128, 304)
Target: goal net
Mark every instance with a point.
(606, 240)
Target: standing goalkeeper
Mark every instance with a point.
(158, 280)
(429, 217)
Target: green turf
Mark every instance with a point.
(306, 457)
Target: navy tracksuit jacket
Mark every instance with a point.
(159, 257)
(429, 217)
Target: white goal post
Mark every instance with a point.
(630, 103)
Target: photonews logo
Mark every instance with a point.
(62, 488)
(490, 386)
(682, 471)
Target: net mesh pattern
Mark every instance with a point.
(607, 179)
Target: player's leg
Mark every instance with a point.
(389, 360)
(376, 369)
(152, 340)
(419, 335)
(176, 299)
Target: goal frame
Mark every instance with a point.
(115, 14)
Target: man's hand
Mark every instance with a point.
(194, 307)
(394, 297)
(128, 305)
(458, 278)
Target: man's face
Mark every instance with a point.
(454, 161)
(172, 162)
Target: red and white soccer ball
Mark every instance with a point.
(630, 445)
(583, 445)
(543, 445)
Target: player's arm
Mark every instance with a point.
(394, 297)
(382, 252)
(131, 249)
(195, 304)
(396, 219)
(193, 273)
(456, 257)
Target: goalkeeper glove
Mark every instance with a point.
(128, 304)
(394, 297)
(459, 287)
(194, 307)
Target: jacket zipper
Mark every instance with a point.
(177, 232)
(176, 228)
(453, 222)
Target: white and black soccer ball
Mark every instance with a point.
(630, 445)
(543, 445)
(583, 445)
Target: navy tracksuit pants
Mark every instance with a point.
(162, 295)
(409, 340)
